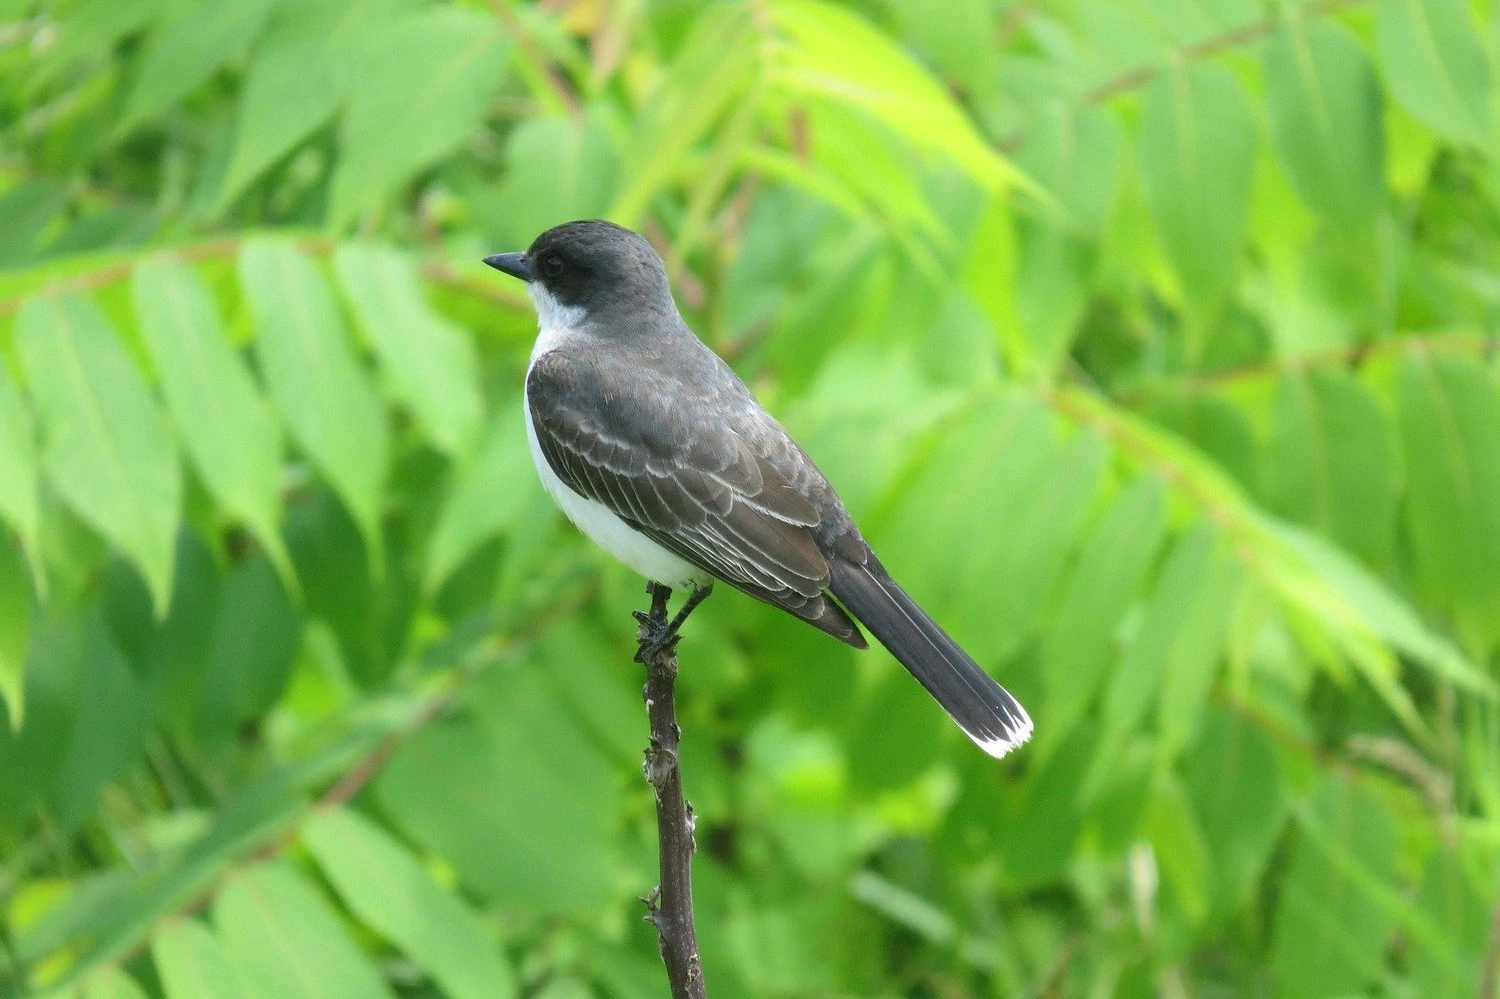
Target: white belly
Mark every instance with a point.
(607, 530)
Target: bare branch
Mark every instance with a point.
(670, 904)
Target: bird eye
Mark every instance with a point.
(552, 266)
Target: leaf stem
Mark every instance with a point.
(1351, 356)
(433, 269)
(547, 82)
(1139, 76)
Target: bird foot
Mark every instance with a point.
(657, 636)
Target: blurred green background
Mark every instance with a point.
(1151, 342)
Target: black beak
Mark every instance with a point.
(517, 265)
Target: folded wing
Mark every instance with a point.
(694, 486)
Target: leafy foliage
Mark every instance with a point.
(1152, 348)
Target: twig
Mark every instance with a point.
(1139, 76)
(670, 904)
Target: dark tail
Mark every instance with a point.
(983, 709)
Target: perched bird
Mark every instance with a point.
(657, 451)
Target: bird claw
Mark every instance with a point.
(658, 636)
(655, 640)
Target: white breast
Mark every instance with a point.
(591, 517)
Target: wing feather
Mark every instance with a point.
(707, 497)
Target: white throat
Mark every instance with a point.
(556, 322)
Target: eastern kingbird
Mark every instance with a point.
(657, 451)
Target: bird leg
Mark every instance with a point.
(699, 594)
(655, 636)
(658, 635)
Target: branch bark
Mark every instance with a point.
(670, 904)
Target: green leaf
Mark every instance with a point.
(1324, 104)
(862, 159)
(1033, 524)
(926, 920)
(184, 52)
(108, 451)
(252, 643)
(115, 912)
(15, 631)
(170, 654)
(1217, 428)
(1232, 777)
(556, 170)
(1075, 153)
(192, 965)
(423, 90)
(1436, 67)
(990, 450)
(26, 210)
(1355, 599)
(428, 359)
(226, 426)
(490, 495)
(303, 69)
(88, 32)
(1080, 642)
(315, 379)
(832, 53)
(1198, 141)
(29, 758)
(989, 279)
(1173, 656)
(780, 948)
(19, 471)
(1460, 908)
(895, 737)
(1196, 651)
(1332, 461)
(1330, 936)
(955, 36)
(387, 888)
(707, 77)
(283, 938)
(580, 665)
(1054, 271)
(112, 983)
(108, 731)
(1179, 846)
(516, 771)
(371, 616)
(1328, 599)
(1450, 419)
(1035, 827)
